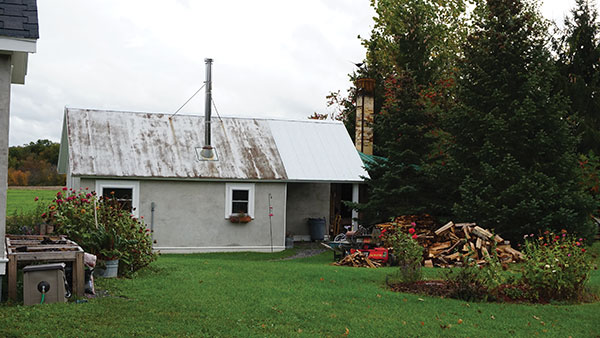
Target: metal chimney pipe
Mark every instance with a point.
(207, 150)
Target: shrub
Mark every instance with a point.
(556, 266)
(473, 282)
(102, 227)
(26, 222)
(408, 253)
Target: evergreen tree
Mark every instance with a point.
(513, 150)
(410, 54)
(579, 64)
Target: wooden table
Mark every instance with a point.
(28, 248)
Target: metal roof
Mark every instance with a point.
(144, 145)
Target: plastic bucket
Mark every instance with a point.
(289, 243)
(112, 269)
(317, 228)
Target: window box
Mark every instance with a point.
(240, 218)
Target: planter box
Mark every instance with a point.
(239, 219)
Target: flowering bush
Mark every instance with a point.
(101, 226)
(408, 252)
(556, 266)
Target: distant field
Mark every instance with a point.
(21, 199)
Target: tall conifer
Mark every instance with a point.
(513, 149)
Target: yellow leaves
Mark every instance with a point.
(460, 321)
(347, 332)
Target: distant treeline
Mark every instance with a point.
(34, 164)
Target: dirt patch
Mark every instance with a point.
(306, 249)
(437, 288)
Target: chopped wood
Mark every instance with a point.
(478, 243)
(452, 247)
(466, 231)
(357, 259)
(440, 246)
(453, 236)
(484, 252)
(444, 228)
(453, 256)
(447, 243)
(482, 233)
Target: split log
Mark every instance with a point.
(467, 232)
(481, 233)
(453, 256)
(444, 228)
(484, 252)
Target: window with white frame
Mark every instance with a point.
(126, 193)
(239, 199)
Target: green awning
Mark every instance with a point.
(369, 160)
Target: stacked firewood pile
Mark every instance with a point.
(448, 245)
(357, 259)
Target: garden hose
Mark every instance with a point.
(43, 287)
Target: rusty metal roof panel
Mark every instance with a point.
(124, 144)
(317, 151)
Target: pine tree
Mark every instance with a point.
(410, 53)
(513, 150)
(579, 64)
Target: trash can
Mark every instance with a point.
(316, 228)
(44, 282)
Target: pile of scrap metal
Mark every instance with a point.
(447, 246)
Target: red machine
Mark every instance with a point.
(379, 254)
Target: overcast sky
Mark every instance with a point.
(271, 58)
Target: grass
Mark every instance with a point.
(251, 294)
(22, 200)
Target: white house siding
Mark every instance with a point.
(189, 217)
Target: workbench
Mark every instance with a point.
(29, 249)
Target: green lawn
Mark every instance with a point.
(21, 200)
(249, 294)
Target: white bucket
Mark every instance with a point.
(112, 269)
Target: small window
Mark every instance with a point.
(125, 192)
(239, 198)
(123, 196)
(239, 201)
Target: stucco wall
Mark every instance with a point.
(306, 200)
(190, 216)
